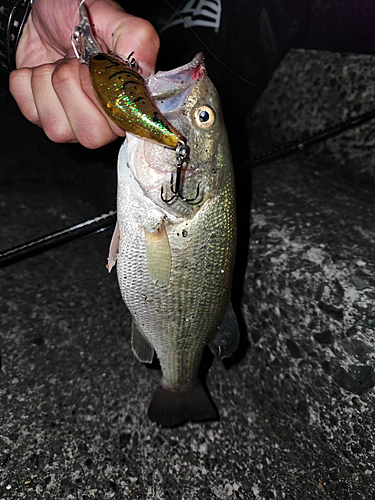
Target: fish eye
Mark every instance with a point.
(204, 116)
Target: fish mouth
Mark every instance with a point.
(171, 89)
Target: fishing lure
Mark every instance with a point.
(121, 90)
(124, 97)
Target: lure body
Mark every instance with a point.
(120, 89)
(123, 95)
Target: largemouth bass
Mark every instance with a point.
(175, 257)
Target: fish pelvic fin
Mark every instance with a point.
(173, 408)
(113, 249)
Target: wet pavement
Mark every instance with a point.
(297, 401)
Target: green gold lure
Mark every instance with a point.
(120, 89)
(122, 93)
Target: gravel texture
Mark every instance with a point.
(297, 401)
(311, 91)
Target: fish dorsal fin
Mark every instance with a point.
(227, 336)
(158, 253)
(143, 351)
(113, 248)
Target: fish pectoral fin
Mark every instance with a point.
(143, 351)
(227, 336)
(158, 253)
(113, 248)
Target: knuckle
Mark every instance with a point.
(58, 132)
(94, 137)
(42, 72)
(147, 33)
(91, 137)
(63, 76)
(18, 77)
(19, 83)
(20, 88)
(140, 30)
(32, 117)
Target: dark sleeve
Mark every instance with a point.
(253, 36)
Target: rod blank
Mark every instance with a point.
(58, 238)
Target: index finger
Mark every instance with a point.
(124, 33)
(138, 36)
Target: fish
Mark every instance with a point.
(175, 257)
(175, 251)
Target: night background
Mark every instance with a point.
(296, 402)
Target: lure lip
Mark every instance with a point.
(83, 40)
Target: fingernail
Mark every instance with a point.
(145, 70)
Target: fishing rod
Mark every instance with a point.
(58, 238)
(108, 220)
(306, 140)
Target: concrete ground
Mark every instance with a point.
(296, 403)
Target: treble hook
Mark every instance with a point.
(131, 62)
(182, 156)
(177, 189)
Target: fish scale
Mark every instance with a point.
(162, 317)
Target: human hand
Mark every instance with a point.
(53, 89)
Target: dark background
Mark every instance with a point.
(296, 403)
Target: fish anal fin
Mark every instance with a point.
(113, 248)
(227, 336)
(158, 253)
(143, 351)
(173, 408)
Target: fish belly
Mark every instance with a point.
(179, 317)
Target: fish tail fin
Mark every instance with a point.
(172, 408)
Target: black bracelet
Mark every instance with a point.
(13, 16)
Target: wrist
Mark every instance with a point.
(13, 16)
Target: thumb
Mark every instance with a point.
(139, 36)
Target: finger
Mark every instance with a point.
(87, 122)
(21, 90)
(88, 88)
(51, 113)
(124, 33)
(138, 36)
